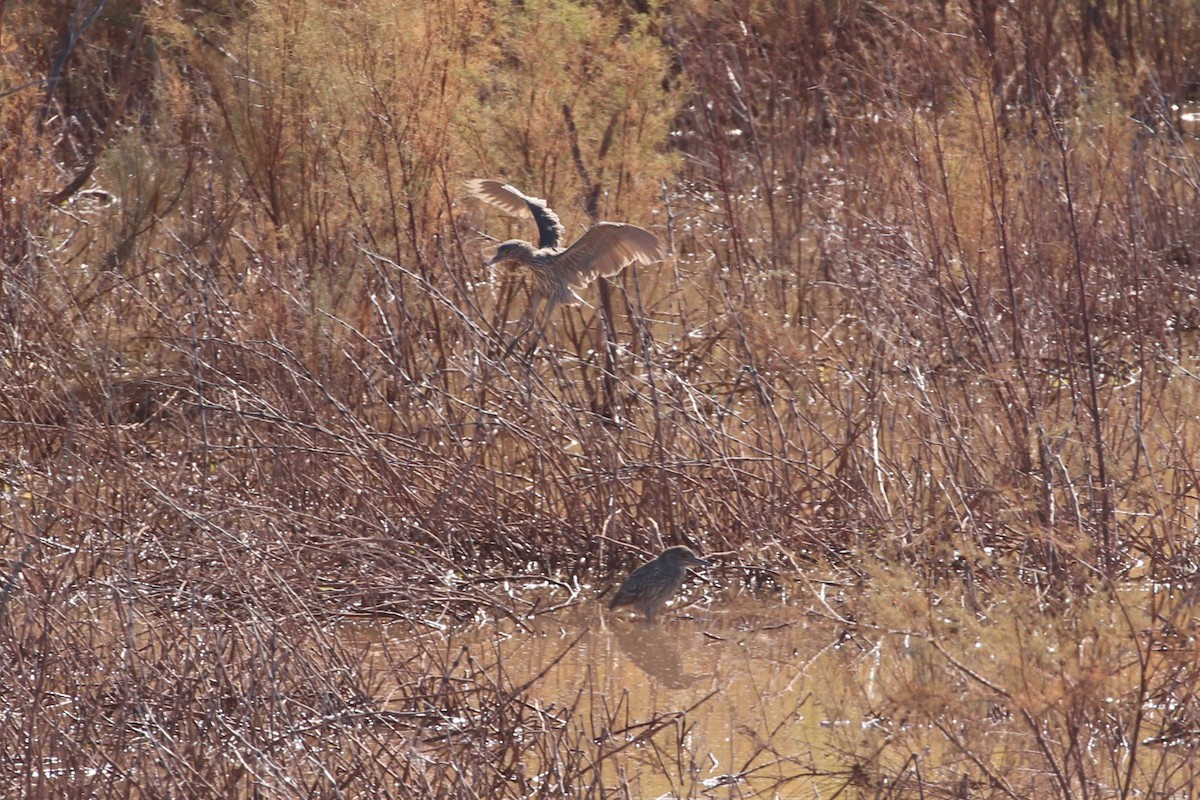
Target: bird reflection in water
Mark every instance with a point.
(657, 655)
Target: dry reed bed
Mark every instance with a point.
(911, 326)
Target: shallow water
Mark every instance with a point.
(749, 677)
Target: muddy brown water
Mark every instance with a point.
(750, 691)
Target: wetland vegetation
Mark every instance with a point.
(918, 374)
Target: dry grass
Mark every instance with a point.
(929, 313)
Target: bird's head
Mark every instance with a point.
(684, 555)
(512, 250)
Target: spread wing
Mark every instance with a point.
(511, 201)
(606, 249)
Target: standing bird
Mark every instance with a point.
(606, 249)
(654, 583)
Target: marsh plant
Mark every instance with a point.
(925, 333)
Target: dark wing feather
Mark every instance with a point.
(606, 249)
(511, 201)
(635, 588)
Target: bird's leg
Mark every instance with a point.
(541, 333)
(508, 350)
(535, 300)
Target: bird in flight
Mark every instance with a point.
(559, 273)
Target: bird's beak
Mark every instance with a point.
(702, 562)
(494, 249)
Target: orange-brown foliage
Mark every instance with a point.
(930, 300)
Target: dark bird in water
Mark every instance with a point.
(559, 273)
(654, 583)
